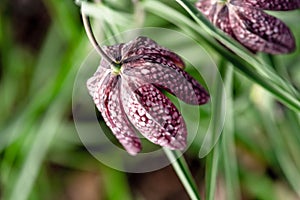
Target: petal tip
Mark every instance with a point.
(133, 150)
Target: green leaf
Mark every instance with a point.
(255, 69)
(179, 164)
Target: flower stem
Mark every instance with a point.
(89, 32)
(179, 164)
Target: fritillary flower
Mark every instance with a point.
(127, 94)
(245, 21)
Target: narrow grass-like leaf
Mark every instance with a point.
(45, 135)
(211, 172)
(116, 185)
(218, 107)
(33, 161)
(256, 63)
(256, 70)
(277, 140)
(279, 87)
(212, 161)
(228, 145)
(101, 11)
(230, 43)
(294, 124)
(38, 103)
(179, 164)
(59, 89)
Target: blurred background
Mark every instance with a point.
(42, 45)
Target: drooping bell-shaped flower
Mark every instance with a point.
(245, 21)
(127, 95)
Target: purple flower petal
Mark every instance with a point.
(208, 8)
(259, 31)
(155, 116)
(96, 80)
(158, 71)
(114, 52)
(127, 99)
(222, 21)
(109, 103)
(271, 4)
(142, 46)
(245, 21)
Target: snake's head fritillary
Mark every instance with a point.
(127, 94)
(245, 21)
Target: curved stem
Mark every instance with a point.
(89, 32)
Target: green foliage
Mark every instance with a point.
(257, 155)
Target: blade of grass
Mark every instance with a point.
(103, 12)
(211, 172)
(43, 96)
(39, 102)
(256, 63)
(235, 46)
(212, 162)
(292, 124)
(218, 99)
(177, 19)
(293, 118)
(228, 145)
(116, 185)
(11, 155)
(33, 161)
(266, 107)
(250, 67)
(68, 27)
(45, 135)
(179, 164)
